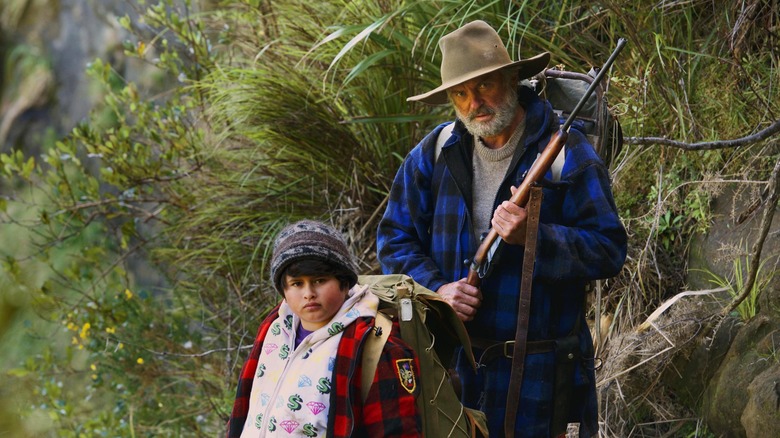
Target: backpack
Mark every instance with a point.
(564, 89)
(430, 327)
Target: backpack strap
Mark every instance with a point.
(372, 350)
(444, 135)
(557, 166)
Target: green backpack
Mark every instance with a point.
(430, 326)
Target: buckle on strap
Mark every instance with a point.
(509, 347)
(492, 350)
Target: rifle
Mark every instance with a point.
(480, 264)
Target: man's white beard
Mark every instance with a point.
(503, 116)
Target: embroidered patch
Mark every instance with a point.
(406, 375)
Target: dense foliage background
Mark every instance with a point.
(134, 247)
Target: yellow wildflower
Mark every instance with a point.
(128, 294)
(140, 361)
(85, 330)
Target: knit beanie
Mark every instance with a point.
(309, 239)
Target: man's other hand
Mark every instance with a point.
(464, 298)
(509, 221)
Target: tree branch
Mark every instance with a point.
(771, 130)
(766, 222)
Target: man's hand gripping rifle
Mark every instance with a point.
(480, 265)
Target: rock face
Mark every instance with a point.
(741, 400)
(63, 36)
(691, 374)
(743, 397)
(761, 416)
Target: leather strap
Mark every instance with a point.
(372, 350)
(492, 350)
(521, 334)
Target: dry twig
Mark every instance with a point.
(769, 131)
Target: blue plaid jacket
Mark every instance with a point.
(426, 234)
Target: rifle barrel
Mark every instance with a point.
(592, 87)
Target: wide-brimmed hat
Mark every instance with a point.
(474, 50)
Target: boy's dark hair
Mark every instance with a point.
(316, 268)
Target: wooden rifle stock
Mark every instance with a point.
(539, 168)
(520, 198)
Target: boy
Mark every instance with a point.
(303, 375)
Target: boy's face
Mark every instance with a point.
(315, 299)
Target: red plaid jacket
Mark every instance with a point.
(388, 411)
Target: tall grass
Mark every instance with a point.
(735, 284)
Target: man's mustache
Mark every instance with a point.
(481, 111)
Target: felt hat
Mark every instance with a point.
(309, 239)
(474, 50)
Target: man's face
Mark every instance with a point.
(485, 104)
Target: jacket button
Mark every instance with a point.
(466, 262)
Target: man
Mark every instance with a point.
(443, 202)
